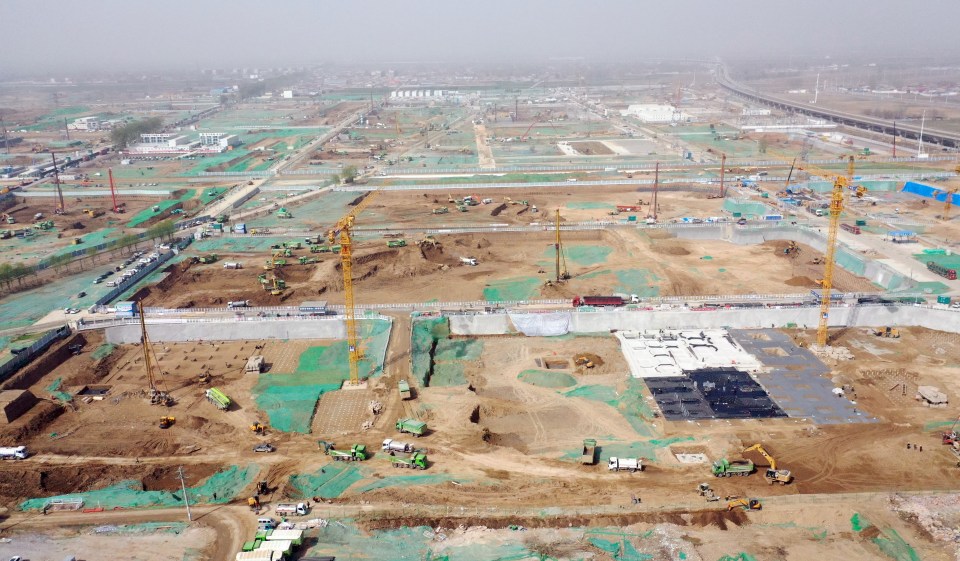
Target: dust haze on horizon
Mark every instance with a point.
(121, 35)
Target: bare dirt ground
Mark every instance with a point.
(86, 544)
(671, 267)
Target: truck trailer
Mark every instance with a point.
(412, 426)
(390, 445)
(625, 464)
(14, 453)
(417, 460)
(947, 273)
(291, 509)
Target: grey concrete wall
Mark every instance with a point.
(228, 330)
(485, 324)
(855, 316)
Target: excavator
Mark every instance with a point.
(773, 475)
(745, 504)
(890, 332)
(258, 428)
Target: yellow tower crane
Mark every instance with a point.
(341, 233)
(837, 197)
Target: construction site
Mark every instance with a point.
(584, 331)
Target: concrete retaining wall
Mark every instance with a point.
(229, 330)
(855, 316)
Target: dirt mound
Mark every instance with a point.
(496, 211)
(674, 248)
(801, 281)
(483, 243)
(378, 256)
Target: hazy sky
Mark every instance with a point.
(131, 34)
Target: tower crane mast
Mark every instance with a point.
(342, 233)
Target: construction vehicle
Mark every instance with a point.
(584, 361)
(397, 243)
(416, 460)
(357, 453)
(218, 398)
(292, 509)
(727, 468)
(157, 392)
(9, 219)
(792, 248)
(745, 504)
(945, 272)
(14, 453)
(44, 225)
(404, 388)
(462, 208)
(390, 445)
(704, 490)
(167, 422)
(412, 426)
(889, 332)
(212, 258)
(560, 260)
(258, 428)
(588, 456)
(440, 210)
(469, 261)
(284, 213)
(306, 260)
(773, 475)
(625, 464)
(602, 300)
(254, 503)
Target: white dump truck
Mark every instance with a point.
(625, 464)
(469, 261)
(391, 445)
(14, 453)
(291, 509)
(238, 304)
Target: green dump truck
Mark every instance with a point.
(404, 387)
(727, 468)
(218, 398)
(412, 426)
(397, 243)
(417, 460)
(588, 456)
(357, 453)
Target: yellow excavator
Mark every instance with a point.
(745, 504)
(258, 428)
(773, 475)
(167, 422)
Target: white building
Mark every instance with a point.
(654, 113)
(159, 143)
(218, 141)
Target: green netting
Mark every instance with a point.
(937, 425)
(54, 390)
(851, 262)
(514, 288)
(858, 522)
(631, 403)
(290, 400)
(621, 550)
(746, 208)
(220, 488)
(458, 349)
(930, 287)
(949, 261)
(330, 482)
(424, 334)
(87, 241)
(742, 556)
(448, 374)
(585, 255)
(407, 481)
(590, 206)
(148, 213)
(642, 282)
(547, 378)
(323, 211)
(894, 546)
(25, 308)
(103, 351)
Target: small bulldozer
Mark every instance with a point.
(258, 428)
(167, 422)
(887, 332)
(584, 361)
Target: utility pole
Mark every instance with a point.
(894, 139)
(61, 207)
(183, 488)
(723, 168)
(656, 187)
(66, 129)
(3, 129)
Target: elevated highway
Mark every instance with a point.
(903, 130)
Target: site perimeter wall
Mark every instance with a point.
(874, 315)
(877, 273)
(177, 330)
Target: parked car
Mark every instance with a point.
(264, 448)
